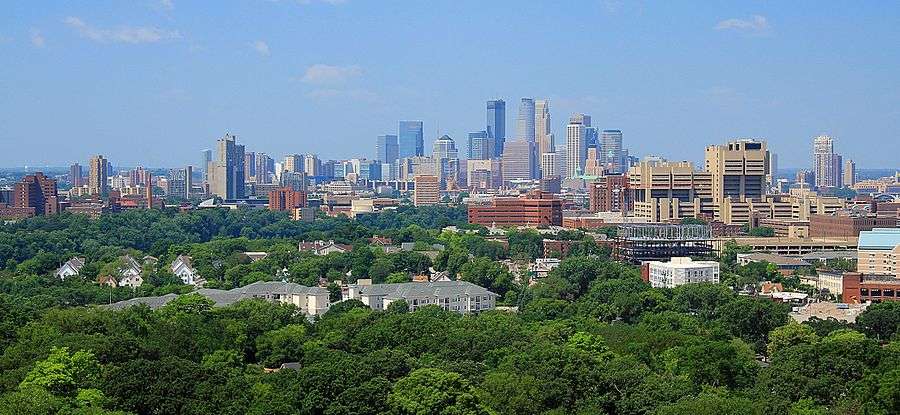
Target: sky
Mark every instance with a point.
(153, 82)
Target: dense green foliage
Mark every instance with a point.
(591, 338)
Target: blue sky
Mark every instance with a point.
(153, 82)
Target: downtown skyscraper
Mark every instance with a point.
(98, 174)
(525, 122)
(480, 146)
(542, 133)
(411, 139)
(496, 125)
(827, 165)
(226, 175)
(576, 144)
(387, 148)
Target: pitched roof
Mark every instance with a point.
(419, 289)
(223, 298)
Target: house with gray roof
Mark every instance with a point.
(458, 296)
(310, 300)
(70, 268)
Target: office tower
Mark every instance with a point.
(773, 169)
(537, 208)
(36, 192)
(293, 163)
(138, 176)
(549, 165)
(180, 182)
(496, 124)
(519, 161)
(483, 174)
(387, 148)
(592, 164)
(738, 170)
(311, 165)
(612, 155)
(444, 148)
(826, 164)
(411, 139)
(542, 133)
(525, 122)
(206, 157)
(427, 190)
(849, 173)
(480, 146)
(286, 199)
(265, 167)
(97, 180)
(249, 166)
(226, 178)
(388, 171)
(610, 193)
(75, 175)
(576, 146)
(294, 180)
(366, 169)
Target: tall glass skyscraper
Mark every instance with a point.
(387, 149)
(496, 124)
(525, 122)
(412, 139)
(480, 146)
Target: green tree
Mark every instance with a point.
(434, 391)
(281, 345)
(789, 335)
(63, 373)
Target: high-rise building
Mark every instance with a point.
(496, 124)
(294, 180)
(206, 157)
(311, 165)
(444, 148)
(427, 190)
(519, 161)
(738, 170)
(249, 166)
(265, 167)
(576, 146)
(480, 146)
(611, 152)
(549, 165)
(611, 193)
(849, 173)
(293, 163)
(411, 139)
(37, 192)
(525, 122)
(593, 166)
(226, 178)
(483, 174)
(826, 164)
(387, 148)
(542, 133)
(97, 180)
(180, 182)
(76, 178)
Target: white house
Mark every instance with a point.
(182, 268)
(680, 271)
(458, 296)
(70, 268)
(323, 248)
(130, 273)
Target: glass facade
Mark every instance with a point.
(411, 137)
(496, 124)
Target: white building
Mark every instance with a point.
(70, 268)
(183, 269)
(458, 296)
(682, 270)
(576, 145)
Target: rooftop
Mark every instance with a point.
(779, 260)
(879, 238)
(223, 298)
(418, 289)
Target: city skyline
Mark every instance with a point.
(739, 71)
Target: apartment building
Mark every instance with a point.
(878, 252)
(457, 296)
(679, 271)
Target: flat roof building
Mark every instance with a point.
(537, 208)
(679, 271)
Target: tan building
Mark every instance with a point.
(738, 170)
(427, 190)
(669, 190)
(97, 179)
(879, 252)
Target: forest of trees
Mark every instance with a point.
(591, 338)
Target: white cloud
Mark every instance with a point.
(343, 94)
(123, 34)
(167, 4)
(327, 74)
(260, 47)
(37, 39)
(755, 24)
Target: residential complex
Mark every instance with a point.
(457, 296)
(679, 271)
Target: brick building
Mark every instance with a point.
(534, 209)
(427, 190)
(37, 192)
(286, 199)
(860, 288)
(611, 193)
(847, 226)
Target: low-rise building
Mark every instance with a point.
(310, 300)
(457, 296)
(70, 268)
(183, 269)
(679, 271)
(535, 209)
(879, 252)
(861, 288)
(323, 248)
(786, 265)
